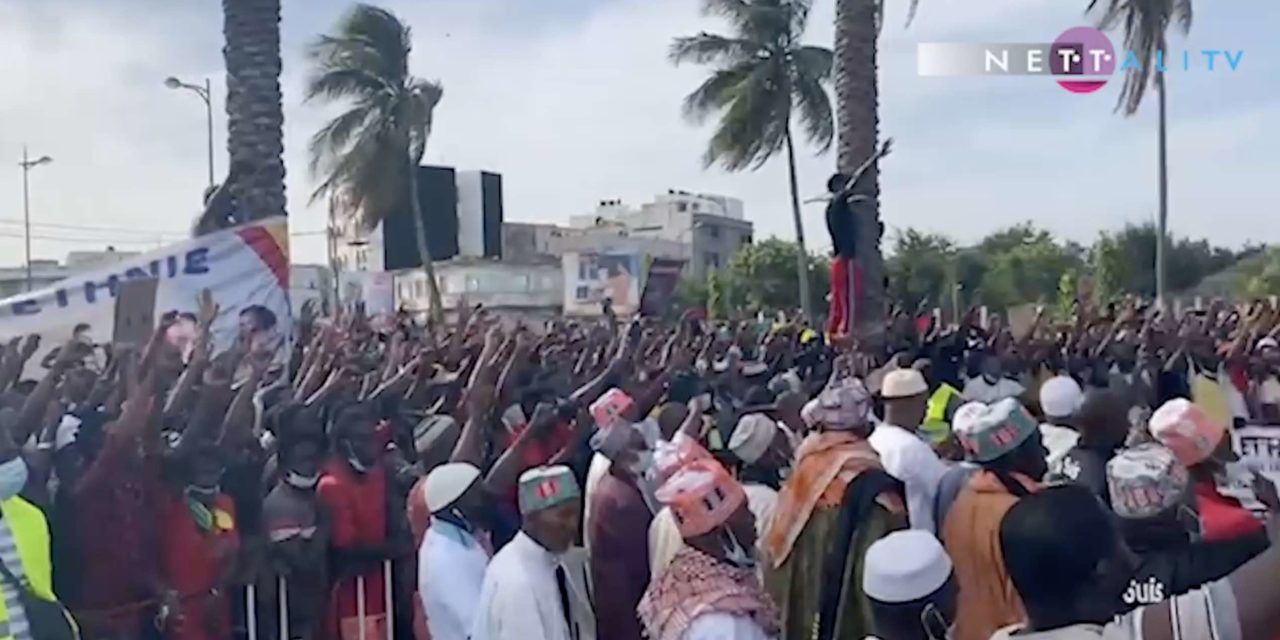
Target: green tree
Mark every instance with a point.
(1261, 276)
(1146, 23)
(762, 78)
(762, 275)
(255, 118)
(1124, 261)
(922, 268)
(369, 153)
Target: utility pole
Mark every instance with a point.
(27, 165)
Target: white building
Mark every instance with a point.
(712, 227)
(529, 289)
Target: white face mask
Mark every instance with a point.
(299, 481)
(13, 477)
(354, 460)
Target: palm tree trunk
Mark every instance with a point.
(424, 252)
(1162, 220)
(802, 254)
(857, 130)
(255, 118)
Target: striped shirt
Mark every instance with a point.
(17, 617)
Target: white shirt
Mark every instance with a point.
(979, 390)
(909, 459)
(664, 541)
(761, 500)
(1058, 441)
(722, 626)
(599, 468)
(520, 599)
(451, 568)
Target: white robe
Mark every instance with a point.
(451, 570)
(521, 601)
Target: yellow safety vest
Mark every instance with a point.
(935, 427)
(31, 535)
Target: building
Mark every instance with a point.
(13, 280)
(462, 211)
(712, 227)
(310, 282)
(529, 289)
(522, 241)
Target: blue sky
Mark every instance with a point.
(574, 102)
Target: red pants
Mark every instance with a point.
(846, 296)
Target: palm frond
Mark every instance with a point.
(912, 8)
(799, 18)
(814, 106)
(1144, 23)
(336, 83)
(716, 92)
(335, 136)
(1183, 14)
(383, 32)
(707, 48)
(754, 125)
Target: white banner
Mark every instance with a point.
(246, 269)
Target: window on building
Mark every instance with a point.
(682, 207)
(746, 239)
(713, 261)
(695, 205)
(713, 231)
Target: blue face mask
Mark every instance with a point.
(13, 477)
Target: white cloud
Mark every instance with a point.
(578, 104)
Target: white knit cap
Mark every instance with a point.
(905, 566)
(1060, 397)
(752, 437)
(447, 482)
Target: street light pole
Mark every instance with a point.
(27, 164)
(206, 94)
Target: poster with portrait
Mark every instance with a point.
(593, 280)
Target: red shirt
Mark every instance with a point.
(1221, 517)
(357, 507)
(192, 562)
(538, 452)
(115, 532)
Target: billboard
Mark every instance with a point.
(245, 268)
(591, 279)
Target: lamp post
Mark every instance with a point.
(205, 94)
(27, 165)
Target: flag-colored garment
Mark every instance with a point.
(695, 585)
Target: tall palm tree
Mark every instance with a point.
(1146, 22)
(762, 77)
(858, 129)
(370, 152)
(255, 118)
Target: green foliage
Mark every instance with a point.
(762, 75)
(1124, 261)
(759, 277)
(364, 153)
(1260, 277)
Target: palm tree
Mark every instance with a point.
(1145, 24)
(370, 152)
(858, 129)
(762, 77)
(255, 119)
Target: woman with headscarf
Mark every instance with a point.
(836, 503)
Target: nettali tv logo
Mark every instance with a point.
(1082, 59)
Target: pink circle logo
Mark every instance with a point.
(1082, 51)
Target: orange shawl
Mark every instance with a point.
(826, 463)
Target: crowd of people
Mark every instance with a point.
(678, 480)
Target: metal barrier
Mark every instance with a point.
(361, 606)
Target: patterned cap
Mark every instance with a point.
(670, 457)
(701, 496)
(844, 404)
(545, 487)
(1145, 481)
(988, 432)
(1186, 430)
(610, 407)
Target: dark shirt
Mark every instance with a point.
(842, 227)
(1165, 573)
(619, 557)
(1087, 468)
